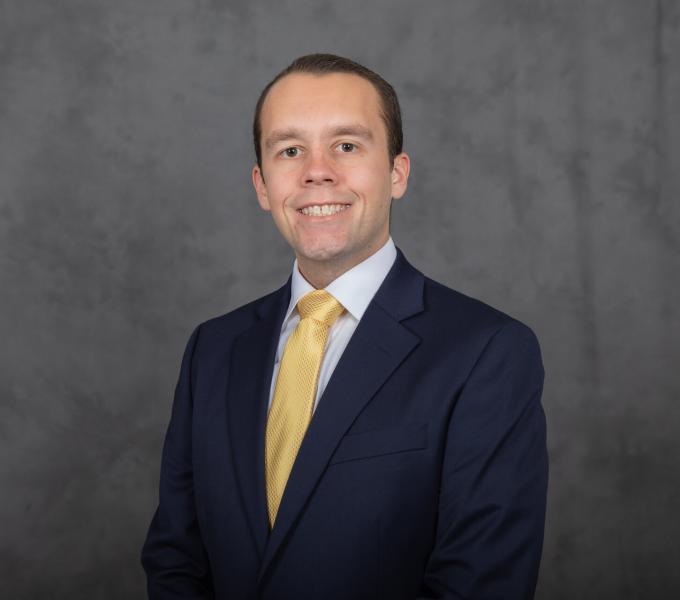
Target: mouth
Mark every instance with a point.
(323, 210)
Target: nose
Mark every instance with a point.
(319, 170)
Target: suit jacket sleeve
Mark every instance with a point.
(173, 556)
(494, 478)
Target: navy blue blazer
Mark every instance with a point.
(423, 473)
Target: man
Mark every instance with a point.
(362, 432)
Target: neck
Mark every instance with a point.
(320, 273)
(321, 276)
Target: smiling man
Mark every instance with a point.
(362, 432)
(326, 172)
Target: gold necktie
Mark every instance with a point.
(295, 391)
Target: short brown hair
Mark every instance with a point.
(323, 64)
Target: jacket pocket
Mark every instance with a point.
(355, 446)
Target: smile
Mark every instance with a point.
(323, 210)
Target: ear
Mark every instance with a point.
(400, 172)
(260, 188)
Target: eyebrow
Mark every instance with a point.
(353, 129)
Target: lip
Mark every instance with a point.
(299, 208)
(323, 218)
(318, 219)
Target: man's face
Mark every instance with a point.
(326, 175)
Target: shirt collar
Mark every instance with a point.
(355, 288)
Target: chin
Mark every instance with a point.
(323, 253)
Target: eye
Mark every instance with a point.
(291, 152)
(347, 147)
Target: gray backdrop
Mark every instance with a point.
(545, 143)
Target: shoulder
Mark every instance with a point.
(463, 319)
(222, 329)
(440, 298)
(449, 320)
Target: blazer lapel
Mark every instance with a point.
(252, 362)
(378, 346)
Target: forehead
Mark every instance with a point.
(307, 100)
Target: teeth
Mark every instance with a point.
(323, 210)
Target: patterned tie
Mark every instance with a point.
(293, 401)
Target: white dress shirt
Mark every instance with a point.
(354, 289)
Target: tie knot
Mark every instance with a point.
(320, 306)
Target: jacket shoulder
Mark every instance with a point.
(230, 324)
(464, 314)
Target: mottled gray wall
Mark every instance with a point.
(546, 155)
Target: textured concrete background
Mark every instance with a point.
(546, 170)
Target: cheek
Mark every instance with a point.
(277, 192)
(285, 171)
(279, 178)
(366, 183)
